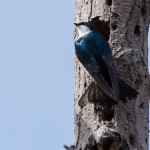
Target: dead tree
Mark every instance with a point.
(124, 126)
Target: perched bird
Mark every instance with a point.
(94, 53)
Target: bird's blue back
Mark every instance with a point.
(94, 44)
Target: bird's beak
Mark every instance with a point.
(79, 23)
(75, 24)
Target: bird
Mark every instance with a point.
(94, 53)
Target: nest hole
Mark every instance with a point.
(146, 140)
(85, 84)
(107, 114)
(109, 2)
(132, 139)
(114, 26)
(102, 26)
(137, 30)
(142, 105)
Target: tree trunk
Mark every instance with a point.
(123, 126)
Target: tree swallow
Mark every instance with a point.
(94, 53)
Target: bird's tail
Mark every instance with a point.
(126, 91)
(95, 94)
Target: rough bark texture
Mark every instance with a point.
(123, 126)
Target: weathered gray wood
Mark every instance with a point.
(124, 126)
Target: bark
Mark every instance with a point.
(123, 126)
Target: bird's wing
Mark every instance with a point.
(113, 75)
(95, 71)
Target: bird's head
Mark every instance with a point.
(84, 28)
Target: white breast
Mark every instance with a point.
(83, 30)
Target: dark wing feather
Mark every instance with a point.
(113, 75)
(95, 71)
(106, 62)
